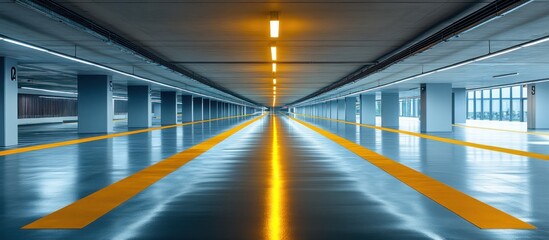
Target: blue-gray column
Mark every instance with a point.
(389, 110)
(95, 106)
(368, 109)
(214, 112)
(206, 109)
(187, 108)
(8, 102)
(156, 110)
(333, 107)
(459, 105)
(327, 111)
(350, 109)
(198, 109)
(538, 113)
(139, 107)
(436, 107)
(341, 109)
(168, 101)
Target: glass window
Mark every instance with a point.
(516, 91)
(525, 109)
(505, 109)
(478, 108)
(525, 91)
(516, 113)
(470, 94)
(495, 93)
(470, 109)
(496, 114)
(506, 92)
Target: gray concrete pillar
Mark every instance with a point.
(95, 106)
(187, 108)
(459, 105)
(139, 107)
(436, 107)
(341, 109)
(350, 109)
(538, 113)
(214, 112)
(368, 109)
(206, 113)
(333, 109)
(198, 109)
(156, 110)
(168, 101)
(389, 110)
(9, 135)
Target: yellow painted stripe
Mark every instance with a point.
(90, 139)
(447, 140)
(90, 208)
(502, 130)
(476, 212)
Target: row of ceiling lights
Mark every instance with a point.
(275, 26)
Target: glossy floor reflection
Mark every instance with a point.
(275, 179)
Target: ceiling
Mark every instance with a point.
(522, 25)
(228, 41)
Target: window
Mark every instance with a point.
(496, 103)
(486, 105)
(499, 104)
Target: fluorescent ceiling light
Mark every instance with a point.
(275, 25)
(274, 67)
(274, 80)
(274, 28)
(273, 53)
(86, 62)
(274, 88)
(49, 91)
(442, 69)
(53, 97)
(506, 75)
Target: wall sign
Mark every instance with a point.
(13, 74)
(533, 91)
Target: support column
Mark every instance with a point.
(139, 107)
(459, 104)
(156, 110)
(341, 109)
(95, 106)
(9, 135)
(187, 108)
(214, 113)
(389, 110)
(333, 106)
(368, 109)
(168, 101)
(198, 109)
(206, 109)
(538, 114)
(436, 107)
(350, 109)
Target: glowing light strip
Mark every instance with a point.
(442, 69)
(49, 91)
(75, 59)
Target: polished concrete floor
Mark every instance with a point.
(275, 179)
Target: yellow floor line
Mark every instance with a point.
(446, 140)
(90, 139)
(476, 212)
(90, 208)
(502, 130)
